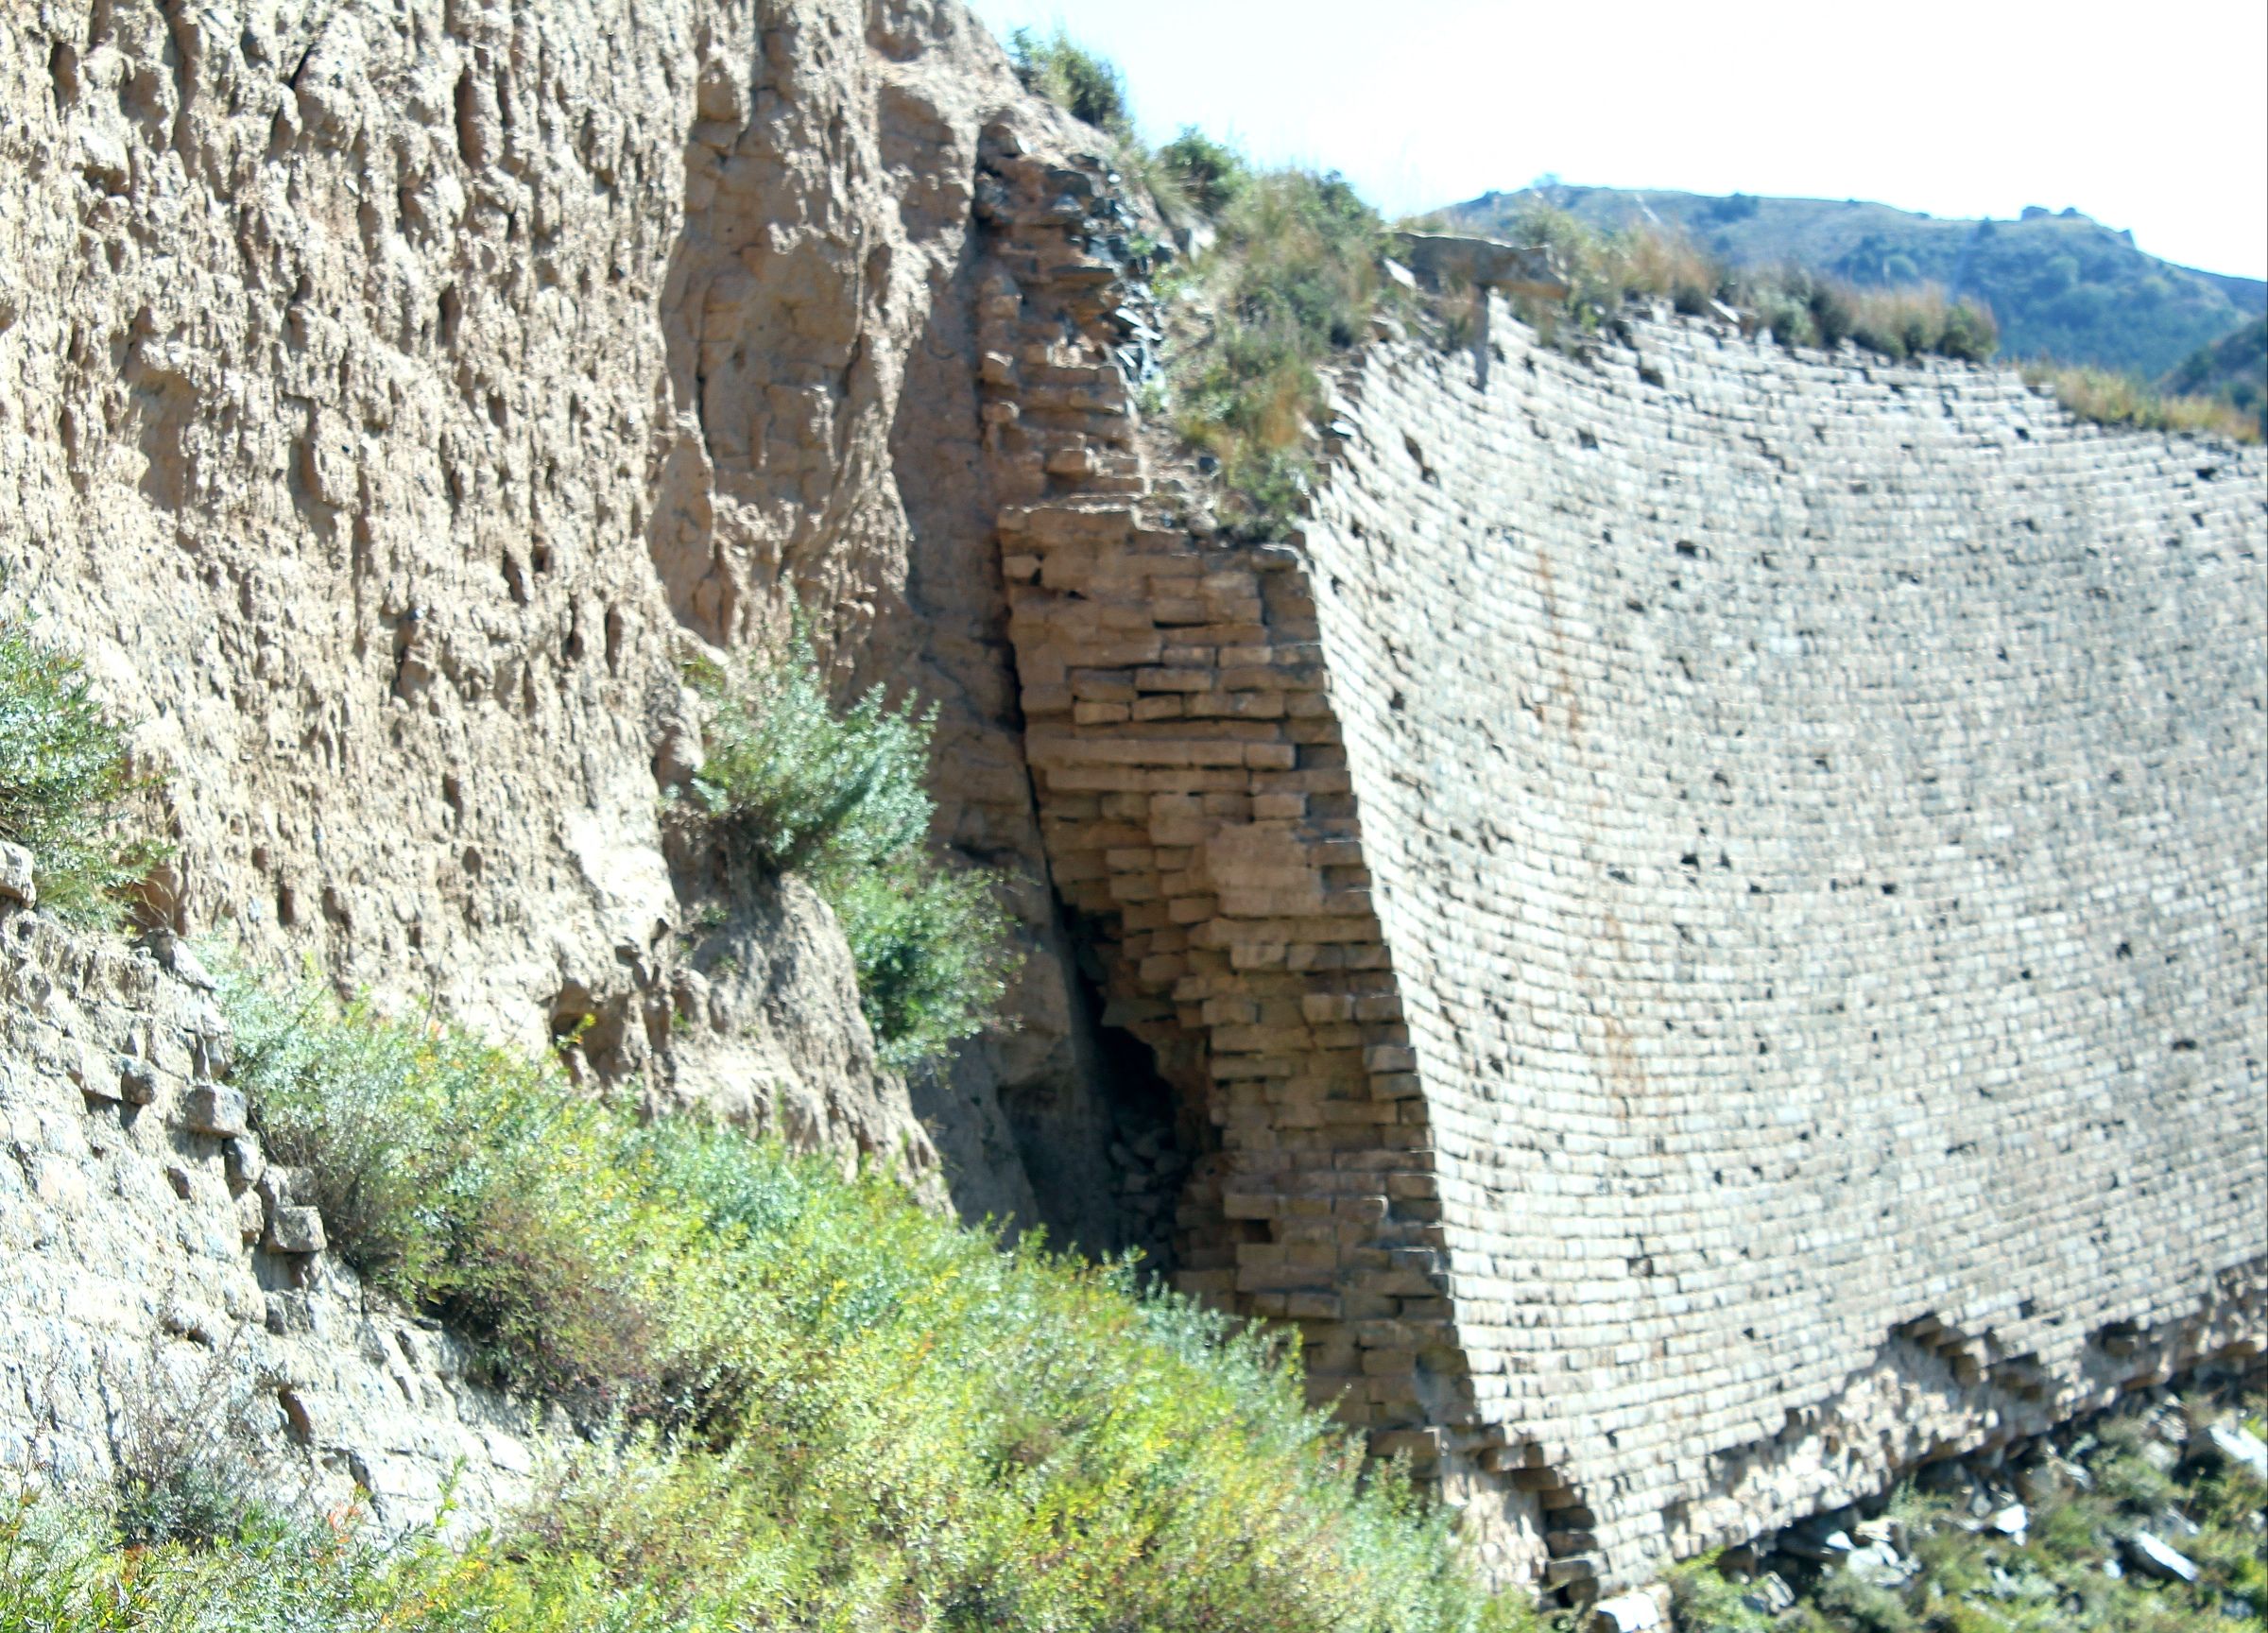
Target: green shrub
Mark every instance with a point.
(854, 1413)
(1861, 1607)
(64, 780)
(1083, 84)
(1706, 1601)
(840, 797)
(801, 784)
(460, 1179)
(927, 942)
(1208, 174)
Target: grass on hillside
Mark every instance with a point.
(792, 784)
(2065, 1574)
(2233, 369)
(840, 1409)
(64, 782)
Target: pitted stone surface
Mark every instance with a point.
(153, 1267)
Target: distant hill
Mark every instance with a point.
(2060, 284)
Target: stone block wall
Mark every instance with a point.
(1194, 803)
(1816, 814)
(155, 1269)
(1704, 923)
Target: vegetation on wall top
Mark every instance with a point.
(1290, 270)
(2059, 286)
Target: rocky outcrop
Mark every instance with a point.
(390, 400)
(163, 1286)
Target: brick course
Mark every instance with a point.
(1706, 933)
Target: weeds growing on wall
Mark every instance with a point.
(64, 780)
(1291, 280)
(2120, 400)
(841, 1411)
(840, 796)
(1607, 271)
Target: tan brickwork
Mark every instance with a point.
(1632, 904)
(1196, 804)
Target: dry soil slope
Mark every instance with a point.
(390, 398)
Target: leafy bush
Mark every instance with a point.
(802, 785)
(2111, 399)
(1708, 1602)
(1207, 174)
(64, 780)
(848, 1411)
(839, 796)
(1084, 85)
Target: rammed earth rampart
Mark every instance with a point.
(1710, 912)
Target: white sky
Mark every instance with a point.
(2151, 117)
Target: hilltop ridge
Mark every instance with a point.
(2061, 284)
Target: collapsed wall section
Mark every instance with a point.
(1192, 795)
(1816, 815)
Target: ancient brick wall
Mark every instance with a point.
(1193, 798)
(1706, 926)
(1816, 816)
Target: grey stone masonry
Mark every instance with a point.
(155, 1268)
(1704, 922)
(1816, 814)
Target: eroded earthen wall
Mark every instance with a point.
(1816, 816)
(392, 398)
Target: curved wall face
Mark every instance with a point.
(1816, 816)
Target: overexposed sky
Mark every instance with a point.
(2151, 117)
